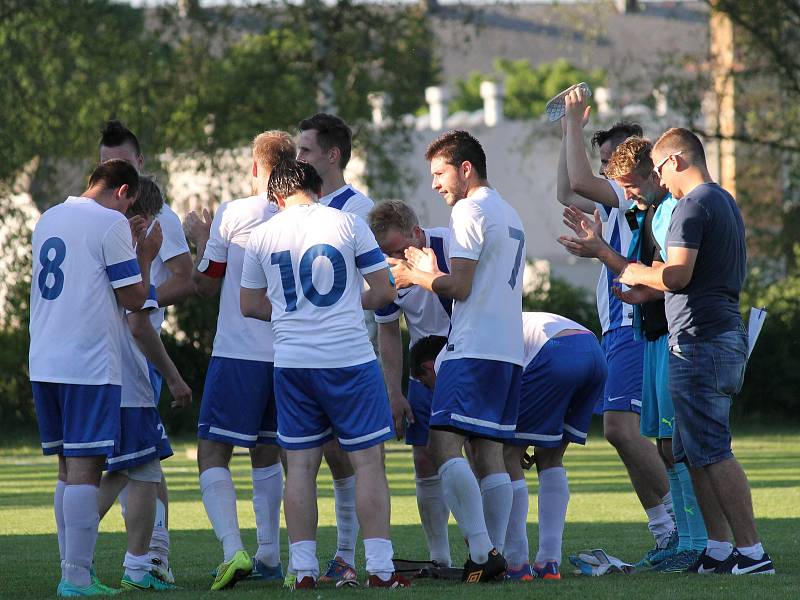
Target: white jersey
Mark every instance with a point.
(612, 311)
(311, 258)
(348, 199)
(426, 313)
(238, 336)
(540, 327)
(173, 244)
(82, 252)
(488, 324)
(137, 391)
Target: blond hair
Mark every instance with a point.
(392, 214)
(631, 156)
(272, 147)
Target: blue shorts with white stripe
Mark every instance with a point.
(476, 396)
(348, 403)
(238, 406)
(560, 387)
(142, 439)
(77, 420)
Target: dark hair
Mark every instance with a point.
(115, 134)
(683, 140)
(331, 132)
(618, 133)
(150, 199)
(423, 350)
(457, 147)
(115, 173)
(291, 176)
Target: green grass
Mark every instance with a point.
(603, 512)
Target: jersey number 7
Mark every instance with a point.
(519, 235)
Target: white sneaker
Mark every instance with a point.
(163, 572)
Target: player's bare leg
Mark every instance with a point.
(374, 509)
(645, 468)
(300, 510)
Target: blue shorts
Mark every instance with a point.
(142, 440)
(155, 380)
(477, 397)
(238, 406)
(658, 414)
(420, 398)
(703, 377)
(560, 388)
(316, 404)
(77, 420)
(625, 359)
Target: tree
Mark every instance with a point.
(527, 88)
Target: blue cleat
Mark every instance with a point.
(264, 572)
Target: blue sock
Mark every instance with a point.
(697, 526)
(684, 538)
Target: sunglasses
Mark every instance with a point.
(663, 161)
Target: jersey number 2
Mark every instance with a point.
(52, 266)
(284, 262)
(519, 235)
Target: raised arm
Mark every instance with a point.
(581, 178)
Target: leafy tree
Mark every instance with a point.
(527, 88)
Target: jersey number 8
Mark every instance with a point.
(284, 262)
(52, 288)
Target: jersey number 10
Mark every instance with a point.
(332, 296)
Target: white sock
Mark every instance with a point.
(718, 550)
(497, 497)
(267, 494)
(136, 567)
(553, 501)
(81, 519)
(58, 510)
(755, 552)
(434, 514)
(463, 497)
(303, 559)
(516, 546)
(667, 502)
(219, 499)
(379, 555)
(660, 524)
(159, 541)
(344, 495)
(123, 501)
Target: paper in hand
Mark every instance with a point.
(757, 317)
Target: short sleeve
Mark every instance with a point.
(120, 259)
(369, 257)
(218, 242)
(359, 205)
(253, 275)
(466, 225)
(388, 314)
(687, 225)
(622, 202)
(174, 243)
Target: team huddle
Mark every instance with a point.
(313, 278)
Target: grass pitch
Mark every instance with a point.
(603, 512)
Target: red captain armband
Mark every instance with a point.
(211, 268)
